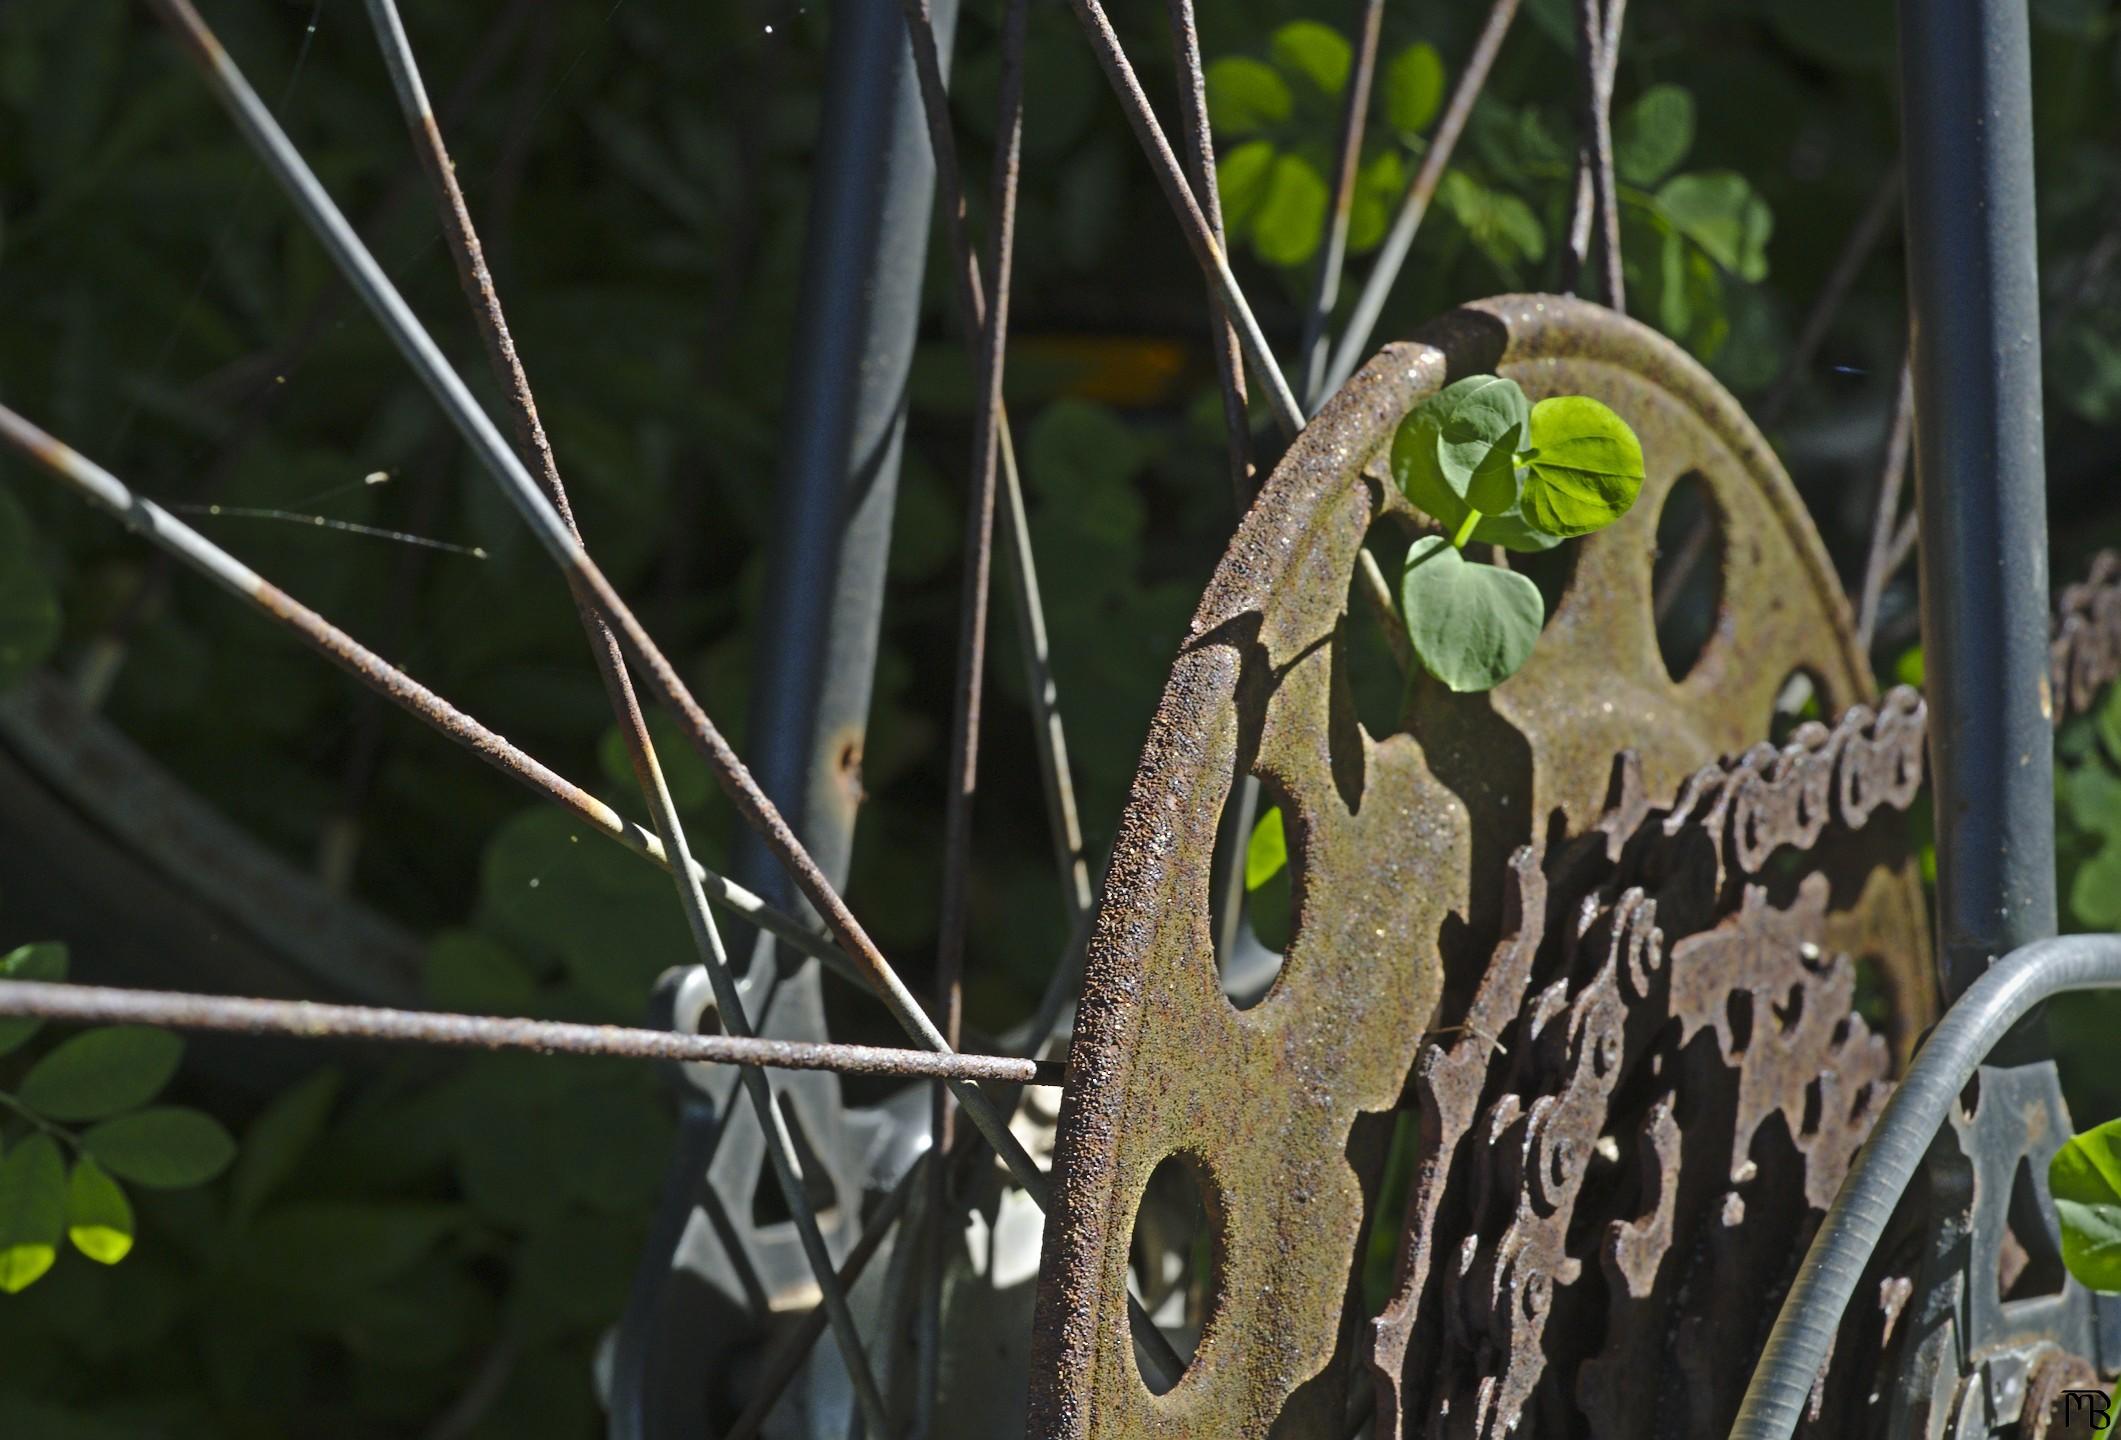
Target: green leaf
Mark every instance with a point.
(1584, 469)
(1501, 225)
(2095, 890)
(43, 961)
(1379, 184)
(1472, 625)
(2085, 1179)
(1267, 851)
(102, 1072)
(1241, 177)
(278, 1139)
(29, 606)
(1653, 135)
(1455, 451)
(166, 1148)
(1318, 52)
(1245, 95)
(1718, 211)
(2106, 721)
(32, 1211)
(99, 1219)
(1292, 214)
(1413, 88)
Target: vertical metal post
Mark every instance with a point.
(865, 252)
(1967, 131)
(842, 426)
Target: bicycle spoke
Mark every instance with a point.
(785, 1162)
(1347, 162)
(1049, 735)
(795, 1347)
(1200, 238)
(1200, 167)
(1354, 339)
(494, 456)
(1884, 556)
(971, 668)
(314, 1020)
(1598, 51)
(186, 545)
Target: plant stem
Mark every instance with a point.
(1465, 530)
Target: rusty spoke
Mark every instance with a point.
(1192, 220)
(1347, 162)
(1350, 350)
(495, 456)
(1200, 171)
(1883, 558)
(314, 1020)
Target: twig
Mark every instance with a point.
(314, 1020)
(1347, 164)
(1883, 558)
(1200, 170)
(1414, 205)
(785, 1162)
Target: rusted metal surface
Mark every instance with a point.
(1662, 1065)
(1401, 855)
(314, 1020)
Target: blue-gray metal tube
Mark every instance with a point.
(1967, 135)
(1804, 1331)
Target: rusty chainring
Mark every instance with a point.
(1620, 949)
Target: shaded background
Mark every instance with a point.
(411, 1245)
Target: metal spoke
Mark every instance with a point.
(536, 452)
(1316, 347)
(1349, 351)
(1881, 562)
(795, 1347)
(1063, 815)
(1200, 237)
(178, 540)
(492, 452)
(313, 1020)
(971, 670)
(1200, 167)
(1597, 192)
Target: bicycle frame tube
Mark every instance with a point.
(1973, 281)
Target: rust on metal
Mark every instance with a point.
(1404, 884)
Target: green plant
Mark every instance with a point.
(102, 1079)
(1488, 465)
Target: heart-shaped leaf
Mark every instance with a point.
(1456, 450)
(2085, 1179)
(1472, 625)
(1584, 469)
